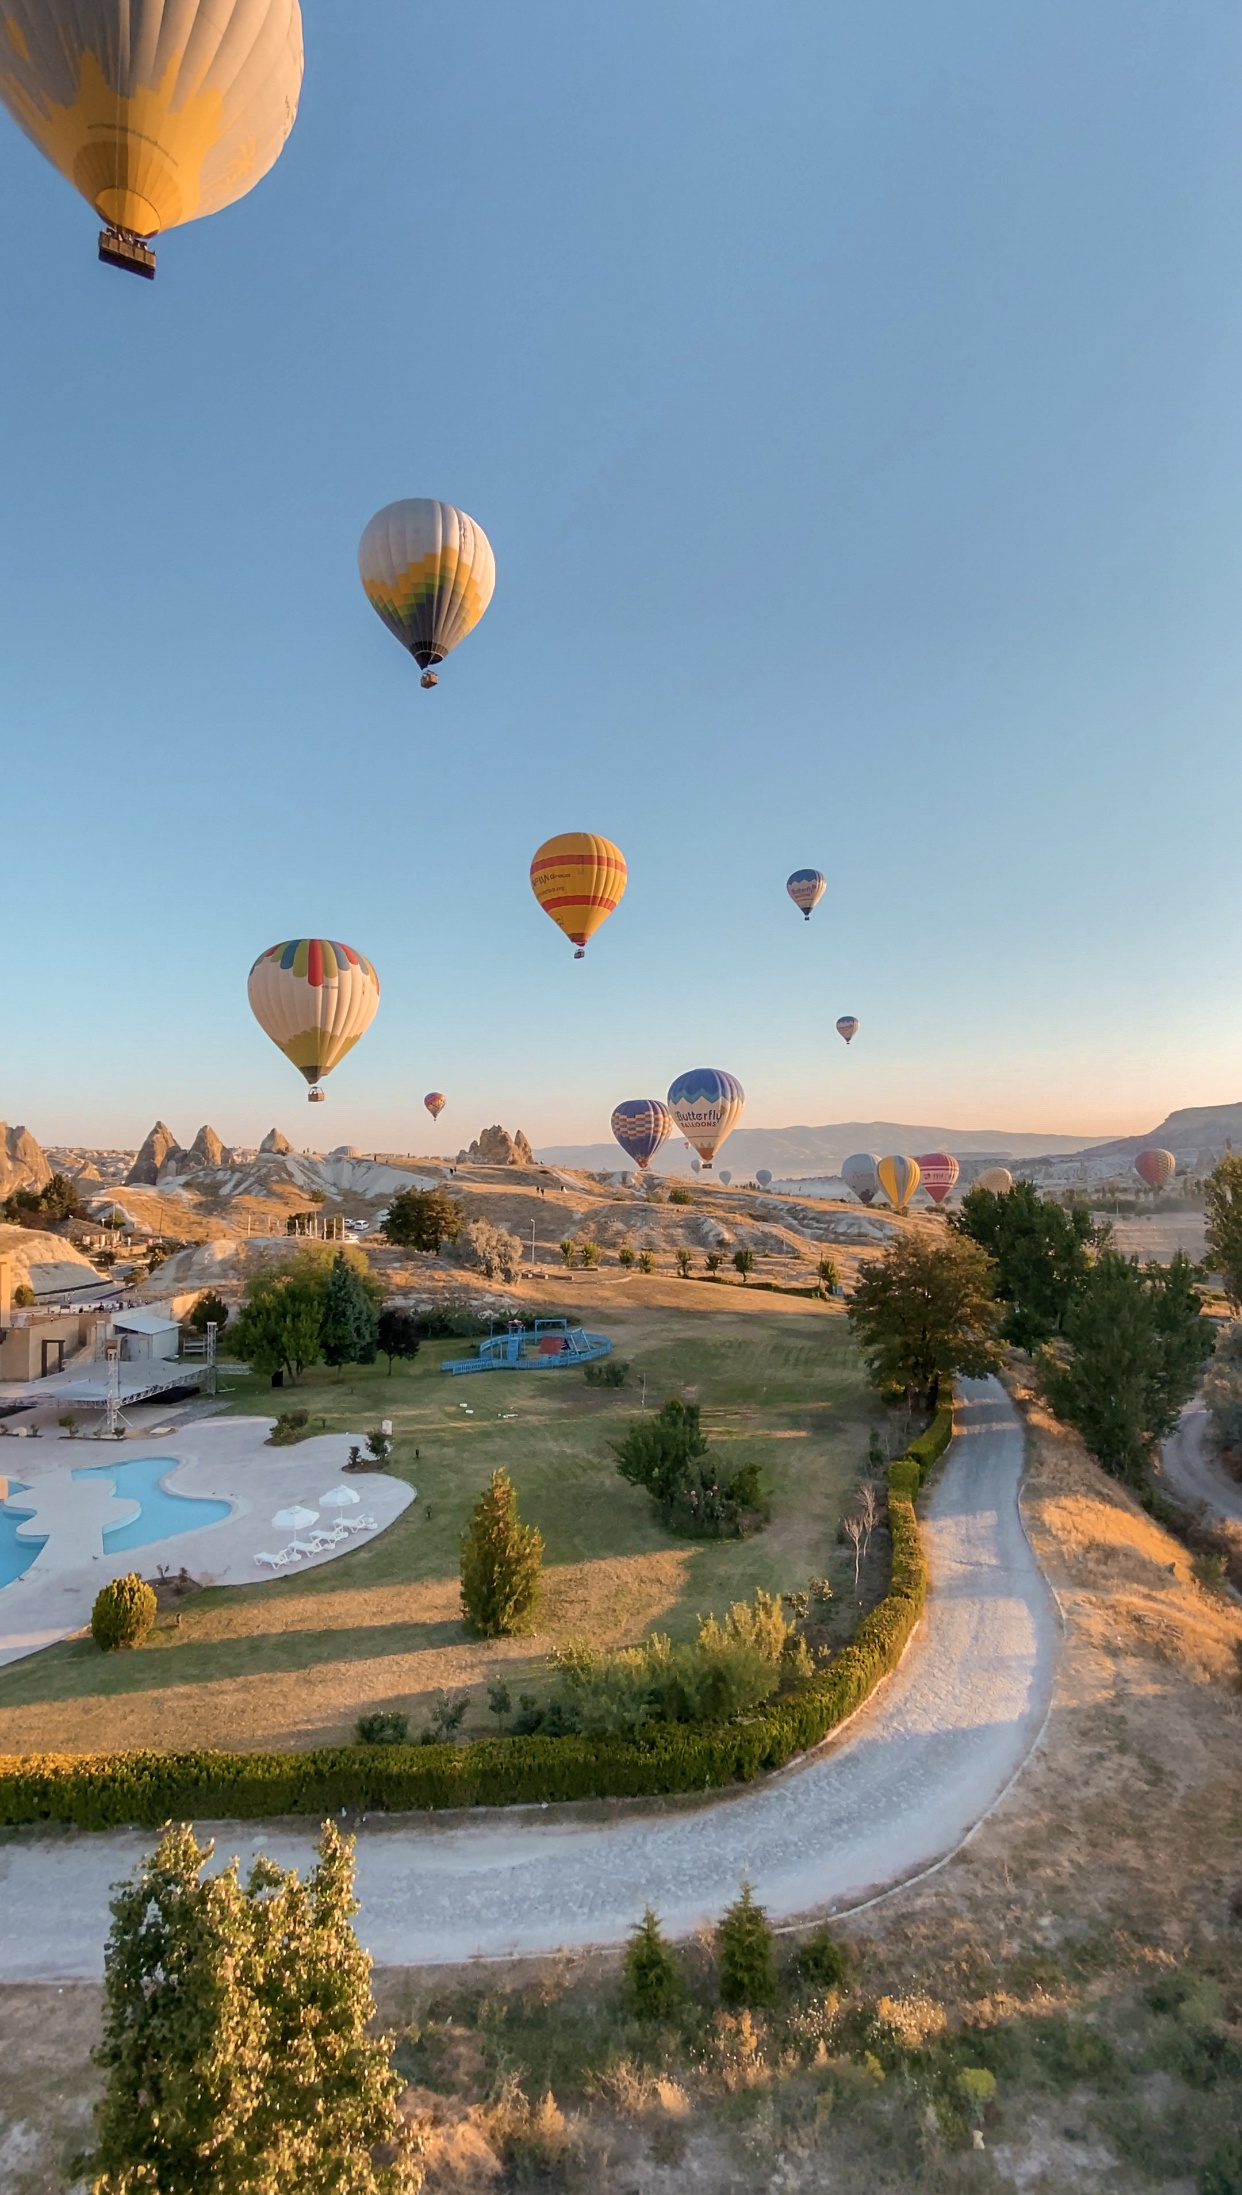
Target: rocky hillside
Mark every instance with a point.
(22, 1164)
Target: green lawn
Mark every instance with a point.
(295, 1660)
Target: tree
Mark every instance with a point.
(423, 1219)
(123, 1613)
(828, 1276)
(397, 1336)
(925, 1310)
(744, 1263)
(1134, 1345)
(682, 1256)
(653, 1983)
(280, 1324)
(1223, 1211)
(494, 1249)
(235, 2035)
(744, 1947)
(501, 1565)
(569, 1251)
(1041, 1253)
(57, 1200)
(211, 1309)
(667, 1454)
(348, 1332)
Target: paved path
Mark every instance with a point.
(897, 1791)
(1191, 1470)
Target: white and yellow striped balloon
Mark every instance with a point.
(314, 998)
(899, 1178)
(157, 111)
(429, 573)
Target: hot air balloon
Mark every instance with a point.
(899, 1178)
(859, 1174)
(997, 1179)
(695, 1165)
(764, 1177)
(429, 572)
(157, 114)
(806, 888)
(939, 1171)
(578, 879)
(725, 1178)
(707, 1106)
(314, 998)
(1155, 1167)
(847, 1027)
(435, 1102)
(640, 1126)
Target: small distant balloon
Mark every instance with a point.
(435, 1102)
(806, 888)
(847, 1027)
(899, 1178)
(764, 1177)
(1155, 1167)
(695, 1165)
(939, 1170)
(725, 1178)
(707, 1105)
(860, 1176)
(640, 1126)
(997, 1179)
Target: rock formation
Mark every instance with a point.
(160, 1145)
(22, 1164)
(273, 1141)
(207, 1148)
(496, 1147)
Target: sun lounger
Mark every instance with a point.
(276, 1562)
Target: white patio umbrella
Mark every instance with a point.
(295, 1520)
(340, 1497)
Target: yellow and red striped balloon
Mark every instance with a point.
(578, 879)
(314, 998)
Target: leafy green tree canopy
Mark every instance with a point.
(1135, 1343)
(501, 1564)
(1223, 1209)
(423, 1219)
(926, 1310)
(397, 1335)
(211, 1309)
(1041, 1253)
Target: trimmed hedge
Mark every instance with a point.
(930, 1446)
(103, 1791)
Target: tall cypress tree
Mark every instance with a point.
(501, 1561)
(350, 1321)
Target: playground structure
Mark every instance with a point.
(552, 1345)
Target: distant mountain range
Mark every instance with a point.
(805, 1152)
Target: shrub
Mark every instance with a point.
(611, 1372)
(123, 1613)
(822, 1962)
(569, 1251)
(679, 1196)
(683, 1261)
(665, 1451)
(210, 1310)
(23, 1297)
(501, 1562)
(625, 1256)
(653, 1983)
(494, 1250)
(746, 1954)
(590, 1253)
(379, 1445)
(382, 1729)
(290, 1426)
(646, 1261)
(744, 1262)
(827, 1270)
(1222, 2173)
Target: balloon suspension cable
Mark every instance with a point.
(121, 248)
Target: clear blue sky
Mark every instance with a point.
(853, 398)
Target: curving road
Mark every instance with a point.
(1191, 1470)
(894, 1793)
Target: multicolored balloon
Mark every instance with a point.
(429, 573)
(847, 1027)
(314, 998)
(764, 1177)
(640, 1126)
(435, 1102)
(578, 879)
(859, 1175)
(157, 114)
(899, 1178)
(1155, 1167)
(806, 888)
(707, 1106)
(996, 1179)
(939, 1171)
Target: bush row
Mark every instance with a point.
(908, 1475)
(100, 1791)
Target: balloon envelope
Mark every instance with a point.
(1155, 1167)
(156, 113)
(725, 1178)
(640, 1126)
(707, 1105)
(806, 888)
(939, 1170)
(695, 1165)
(435, 1102)
(847, 1027)
(428, 571)
(997, 1179)
(899, 1178)
(859, 1174)
(314, 998)
(578, 879)
(764, 1177)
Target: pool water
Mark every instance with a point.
(162, 1514)
(15, 1555)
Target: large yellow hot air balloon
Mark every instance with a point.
(429, 572)
(157, 111)
(314, 998)
(578, 879)
(899, 1178)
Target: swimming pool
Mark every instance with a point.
(16, 1555)
(162, 1514)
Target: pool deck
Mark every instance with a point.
(222, 1459)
